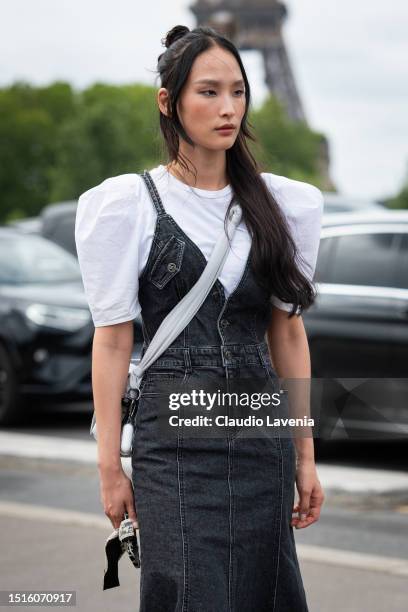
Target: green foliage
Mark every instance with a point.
(285, 147)
(401, 199)
(56, 143)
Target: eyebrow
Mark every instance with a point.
(213, 82)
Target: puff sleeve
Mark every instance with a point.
(107, 237)
(303, 207)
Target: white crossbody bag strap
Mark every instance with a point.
(180, 316)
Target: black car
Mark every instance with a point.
(45, 325)
(358, 326)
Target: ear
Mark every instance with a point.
(162, 101)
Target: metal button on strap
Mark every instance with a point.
(224, 322)
(227, 353)
(171, 267)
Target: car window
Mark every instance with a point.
(402, 267)
(33, 259)
(322, 272)
(365, 259)
(64, 234)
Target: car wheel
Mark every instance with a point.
(10, 409)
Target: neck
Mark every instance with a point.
(210, 170)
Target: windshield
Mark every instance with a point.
(32, 259)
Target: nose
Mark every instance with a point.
(227, 105)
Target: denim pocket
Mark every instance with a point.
(168, 262)
(160, 381)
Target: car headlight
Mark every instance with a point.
(58, 317)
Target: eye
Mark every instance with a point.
(207, 91)
(241, 91)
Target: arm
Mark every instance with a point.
(111, 352)
(289, 351)
(110, 230)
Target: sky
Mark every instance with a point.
(348, 57)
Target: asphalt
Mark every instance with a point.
(42, 555)
(53, 531)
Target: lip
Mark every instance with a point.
(225, 129)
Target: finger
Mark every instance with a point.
(295, 511)
(116, 521)
(300, 524)
(315, 513)
(304, 505)
(112, 519)
(312, 515)
(295, 515)
(132, 515)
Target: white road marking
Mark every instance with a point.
(358, 480)
(47, 447)
(306, 552)
(352, 559)
(54, 515)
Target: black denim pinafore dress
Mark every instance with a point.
(214, 513)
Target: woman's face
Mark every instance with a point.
(213, 95)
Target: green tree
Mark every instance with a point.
(29, 122)
(56, 142)
(400, 200)
(285, 147)
(115, 132)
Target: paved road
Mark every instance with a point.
(348, 520)
(53, 529)
(58, 555)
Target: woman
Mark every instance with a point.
(214, 513)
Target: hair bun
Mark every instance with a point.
(175, 33)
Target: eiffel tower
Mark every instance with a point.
(257, 25)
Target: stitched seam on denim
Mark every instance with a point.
(232, 517)
(179, 257)
(152, 252)
(242, 279)
(161, 214)
(253, 326)
(217, 282)
(154, 193)
(182, 519)
(230, 525)
(282, 483)
(234, 292)
(161, 251)
(156, 230)
(262, 360)
(265, 366)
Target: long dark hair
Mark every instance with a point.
(274, 251)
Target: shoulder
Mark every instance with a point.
(123, 186)
(297, 198)
(117, 199)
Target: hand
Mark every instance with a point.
(117, 496)
(311, 495)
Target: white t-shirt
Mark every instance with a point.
(115, 224)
